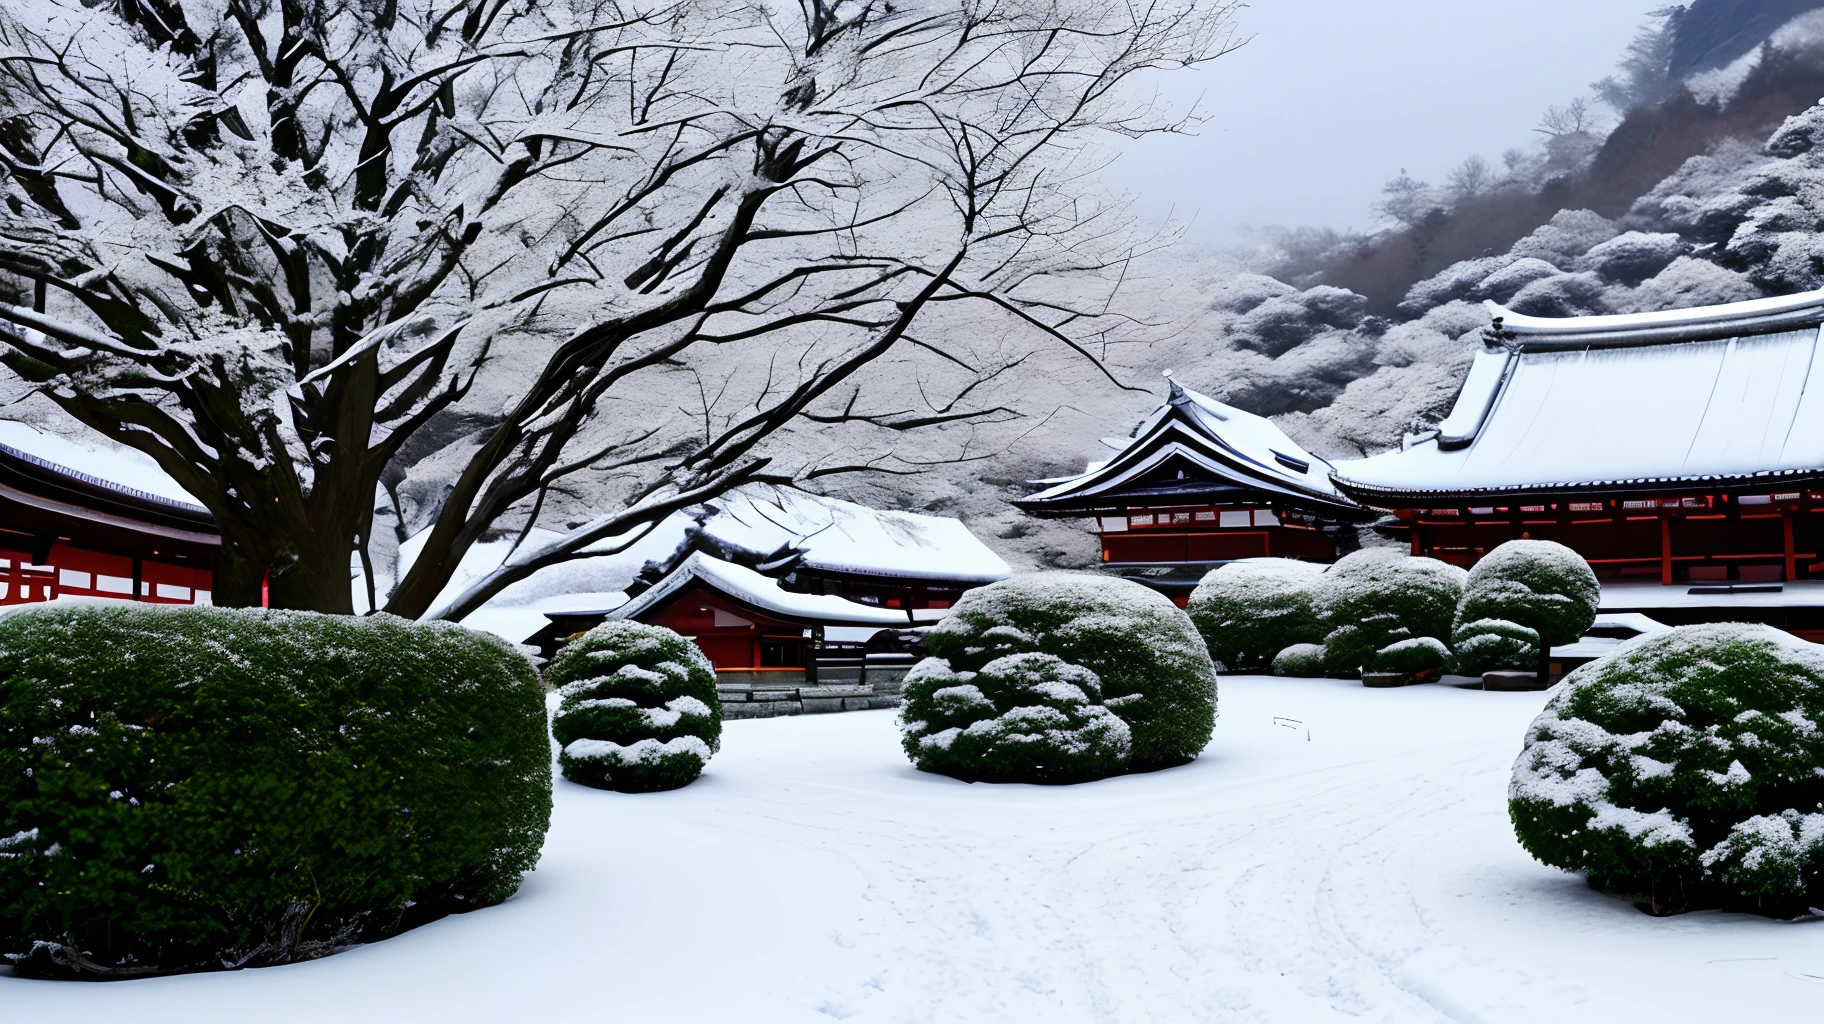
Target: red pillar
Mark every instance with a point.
(1665, 550)
(1792, 558)
(1415, 536)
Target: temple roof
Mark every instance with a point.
(760, 592)
(113, 488)
(1717, 397)
(1196, 450)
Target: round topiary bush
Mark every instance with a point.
(1488, 645)
(1249, 611)
(1539, 584)
(200, 788)
(1022, 718)
(1684, 770)
(1152, 665)
(638, 709)
(1376, 597)
(1304, 661)
(1420, 655)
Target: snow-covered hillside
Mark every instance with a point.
(1338, 854)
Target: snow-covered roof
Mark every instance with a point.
(1224, 448)
(760, 592)
(839, 536)
(1722, 396)
(129, 473)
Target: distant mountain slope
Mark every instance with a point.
(1713, 33)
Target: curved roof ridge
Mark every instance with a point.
(1770, 313)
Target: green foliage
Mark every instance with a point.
(1685, 770)
(1351, 647)
(1539, 584)
(1488, 645)
(1022, 718)
(1248, 611)
(1419, 654)
(639, 711)
(1376, 597)
(1305, 661)
(1146, 653)
(198, 788)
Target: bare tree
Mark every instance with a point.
(1573, 118)
(1471, 177)
(276, 241)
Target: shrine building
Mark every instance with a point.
(1201, 483)
(1670, 447)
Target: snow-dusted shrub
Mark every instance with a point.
(1305, 661)
(1568, 235)
(1285, 321)
(1684, 770)
(1419, 654)
(1489, 645)
(1376, 597)
(201, 788)
(1243, 292)
(1152, 665)
(1461, 280)
(1688, 282)
(1513, 276)
(1580, 294)
(1249, 611)
(1021, 718)
(639, 711)
(1632, 257)
(1540, 584)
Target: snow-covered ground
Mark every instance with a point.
(1338, 854)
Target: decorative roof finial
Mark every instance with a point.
(1177, 393)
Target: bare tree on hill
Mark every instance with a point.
(275, 244)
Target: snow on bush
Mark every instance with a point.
(1243, 292)
(1022, 718)
(1376, 597)
(1461, 280)
(1249, 611)
(1539, 584)
(1564, 295)
(639, 711)
(1151, 663)
(1688, 282)
(1489, 645)
(1568, 235)
(1414, 656)
(1632, 257)
(1513, 276)
(202, 788)
(1284, 321)
(1304, 661)
(1684, 770)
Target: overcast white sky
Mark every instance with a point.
(1330, 98)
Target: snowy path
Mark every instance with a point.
(1367, 873)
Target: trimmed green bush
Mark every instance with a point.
(1488, 645)
(1414, 656)
(1539, 584)
(1304, 661)
(1377, 597)
(1684, 770)
(1153, 667)
(1351, 647)
(1022, 718)
(638, 710)
(1249, 611)
(200, 788)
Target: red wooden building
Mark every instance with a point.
(1677, 447)
(1201, 483)
(745, 621)
(74, 531)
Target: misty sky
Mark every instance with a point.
(1330, 98)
